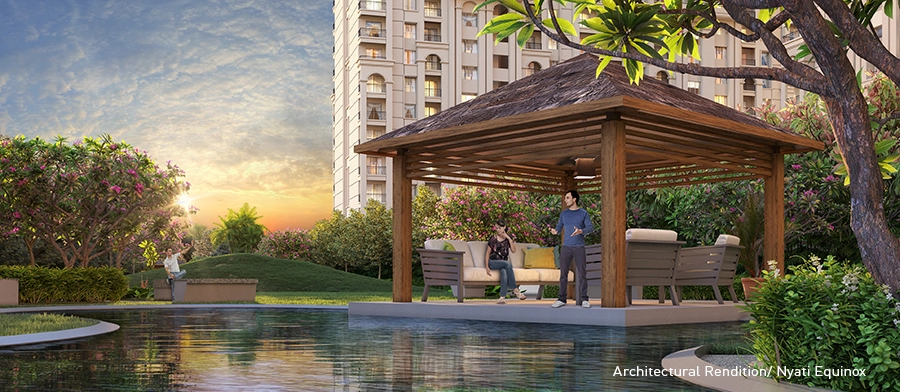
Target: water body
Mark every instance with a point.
(323, 350)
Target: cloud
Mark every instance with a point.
(234, 92)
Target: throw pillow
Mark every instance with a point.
(539, 258)
(449, 246)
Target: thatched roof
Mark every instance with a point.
(525, 135)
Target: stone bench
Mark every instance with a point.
(9, 291)
(207, 290)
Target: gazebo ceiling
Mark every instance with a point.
(526, 135)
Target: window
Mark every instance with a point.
(376, 192)
(721, 99)
(376, 5)
(766, 83)
(720, 81)
(432, 8)
(466, 97)
(552, 44)
(431, 110)
(409, 30)
(375, 84)
(374, 111)
(373, 29)
(501, 62)
(693, 87)
(749, 84)
(376, 166)
(409, 57)
(410, 5)
(663, 76)
(720, 52)
(374, 133)
(470, 46)
(764, 58)
(409, 111)
(469, 20)
(533, 67)
(534, 42)
(409, 85)
(432, 34)
(374, 53)
(432, 88)
(470, 73)
(432, 63)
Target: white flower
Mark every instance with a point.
(814, 259)
(897, 323)
(834, 307)
(851, 281)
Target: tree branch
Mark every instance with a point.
(808, 80)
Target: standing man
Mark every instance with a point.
(577, 224)
(171, 264)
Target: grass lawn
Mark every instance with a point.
(25, 323)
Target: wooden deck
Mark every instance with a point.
(643, 312)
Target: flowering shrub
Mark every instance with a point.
(828, 315)
(293, 244)
(468, 213)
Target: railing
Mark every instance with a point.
(432, 10)
(379, 197)
(749, 86)
(432, 65)
(432, 92)
(373, 55)
(373, 114)
(377, 170)
(372, 32)
(374, 5)
(433, 37)
(532, 45)
(748, 62)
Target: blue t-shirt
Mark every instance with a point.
(570, 219)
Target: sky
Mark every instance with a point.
(236, 93)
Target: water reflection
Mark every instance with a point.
(261, 349)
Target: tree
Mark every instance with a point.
(88, 199)
(658, 33)
(239, 230)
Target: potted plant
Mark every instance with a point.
(748, 224)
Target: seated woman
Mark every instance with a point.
(497, 254)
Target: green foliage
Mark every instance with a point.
(362, 242)
(239, 230)
(293, 244)
(201, 244)
(468, 213)
(832, 315)
(51, 285)
(27, 323)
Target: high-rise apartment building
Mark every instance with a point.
(398, 61)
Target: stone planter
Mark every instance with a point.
(751, 286)
(9, 291)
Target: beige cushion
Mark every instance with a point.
(539, 258)
(552, 275)
(473, 274)
(461, 246)
(517, 258)
(651, 235)
(526, 275)
(434, 244)
(725, 239)
(478, 249)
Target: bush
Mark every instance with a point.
(291, 244)
(832, 315)
(51, 285)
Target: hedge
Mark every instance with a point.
(54, 285)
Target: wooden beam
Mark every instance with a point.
(773, 215)
(613, 213)
(402, 216)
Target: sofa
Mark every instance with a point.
(461, 263)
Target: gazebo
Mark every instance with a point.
(529, 134)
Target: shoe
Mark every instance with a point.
(558, 304)
(585, 304)
(519, 294)
(501, 301)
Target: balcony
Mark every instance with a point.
(377, 170)
(378, 55)
(748, 62)
(433, 10)
(432, 37)
(432, 65)
(373, 5)
(432, 92)
(372, 32)
(532, 45)
(375, 114)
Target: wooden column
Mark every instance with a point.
(612, 228)
(402, 220)
(773, 237)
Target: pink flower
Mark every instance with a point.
(132, 172)
(139, 187)
(116, 188)
(16, 215)
(12, 169)
(796, 166)
(113, 146)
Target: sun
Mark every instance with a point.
(184, 201)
